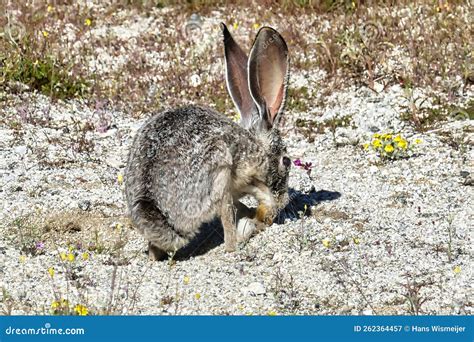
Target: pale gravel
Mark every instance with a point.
(399, 211)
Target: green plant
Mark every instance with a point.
(7, 302)
(28, 236)
(297, 99)
(309, 127)
(413, 293)
(46, 74)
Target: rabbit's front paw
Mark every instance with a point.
(264, 214)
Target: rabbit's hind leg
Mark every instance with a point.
(163, 238)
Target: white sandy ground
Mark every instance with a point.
(387, 226)
(374, 236)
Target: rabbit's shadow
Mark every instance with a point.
(211, 234)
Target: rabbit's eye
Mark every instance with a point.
(286, 161)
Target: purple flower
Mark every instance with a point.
(304, 165)
(39, 245)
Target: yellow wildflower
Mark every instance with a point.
(326, 243)
(45, 34)
(376, 135)
(60, 304)
(356, 240)
(70, 257)
(81, 310)
(386, 136)
(418, 141)
(186, 280)
(50, 8)
(377, 143)
(457, 269)
(366, 146)
(51, 272)
(85, 256)
(197, 296)
(389, 148)
(120, 178)
(256, 26)
(22, 258)
(88, 22)
(63, 256)
(398, 138)
(272, 313)
(235, 26)
(402, 144)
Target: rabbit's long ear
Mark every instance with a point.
(236, 77)
(268, 74)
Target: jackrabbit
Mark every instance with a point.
(191, 164)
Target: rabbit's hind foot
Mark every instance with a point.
(155, 253)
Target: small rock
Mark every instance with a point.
(367, 312)
(106, 132)
(254, 289)
(84, 205)
(373, 169)
(347, 309)
(278, 257)
(373, 129)
(346, 136)
(468, 181)
(21, 150)
(378, 87)
(115, 162)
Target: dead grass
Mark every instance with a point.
(72, 238)
(417, 45)
(85, 231)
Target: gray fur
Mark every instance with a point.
(191, 164)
